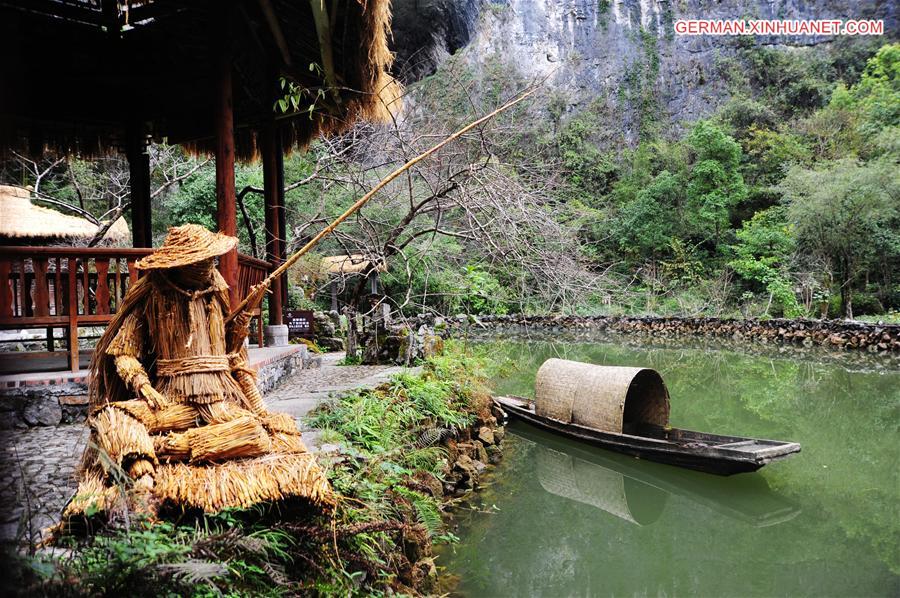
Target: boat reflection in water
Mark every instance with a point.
(637, 491)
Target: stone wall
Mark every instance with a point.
(52, 405)
(836, 334)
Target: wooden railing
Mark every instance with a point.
(68, 287)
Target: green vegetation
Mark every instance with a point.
(784, 202)
(388, 472)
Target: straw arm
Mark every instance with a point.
(365, 198)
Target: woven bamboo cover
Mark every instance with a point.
(600, 397)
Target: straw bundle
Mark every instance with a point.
(172, 447)
(283, 431)
(166, 419)
(221, 412)
(192, 363)
(243, 483)
(174, 417)
(280, 422)
(93, 494)
(242, 437)
(287, 443)
(122, 438)
(139, 410)
(23, 220)
(246, 379)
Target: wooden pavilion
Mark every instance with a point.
(94, 76)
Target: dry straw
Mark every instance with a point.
(245, 482)
(205, 439)
(24, 220)
(122, 438)
(188, 244)
(243, 437)
(602, 397)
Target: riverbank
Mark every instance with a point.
(398, 455)
(834, 334)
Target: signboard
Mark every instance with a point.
(299, 323)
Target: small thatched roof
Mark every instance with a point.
(342, 265)
(21, 221)
(151, 65)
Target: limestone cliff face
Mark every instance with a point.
(607, 49)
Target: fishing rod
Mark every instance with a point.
(258, 291)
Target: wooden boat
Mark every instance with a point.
(627, 410)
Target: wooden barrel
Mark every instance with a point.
(609, 398)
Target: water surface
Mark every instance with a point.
(562, 519)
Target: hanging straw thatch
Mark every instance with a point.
(337, 265)
(336, 54)
(608, 398)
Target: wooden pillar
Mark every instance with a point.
(139, 180)
(223, 111)
(282, 218)
(271, 148)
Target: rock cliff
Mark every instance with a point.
(622, 53)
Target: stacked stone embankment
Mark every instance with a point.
(838, 334)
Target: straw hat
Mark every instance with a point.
(188, 244)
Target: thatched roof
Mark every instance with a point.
(343, 265)
(21, 222)
(77, 75)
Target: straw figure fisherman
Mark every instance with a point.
(175, 414)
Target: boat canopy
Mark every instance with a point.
(608, 398)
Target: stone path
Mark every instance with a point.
(37, 465)
(37, 477)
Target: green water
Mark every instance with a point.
(560, 519)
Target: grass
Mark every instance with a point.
(891, 317)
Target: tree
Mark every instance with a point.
(848, 213)
(715, 185)
(765, 245)
(99, 189)
(646, 224)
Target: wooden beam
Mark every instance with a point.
(275, 30)
(223, 111)
(139, 167)
(323, 30)
(271, 147)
